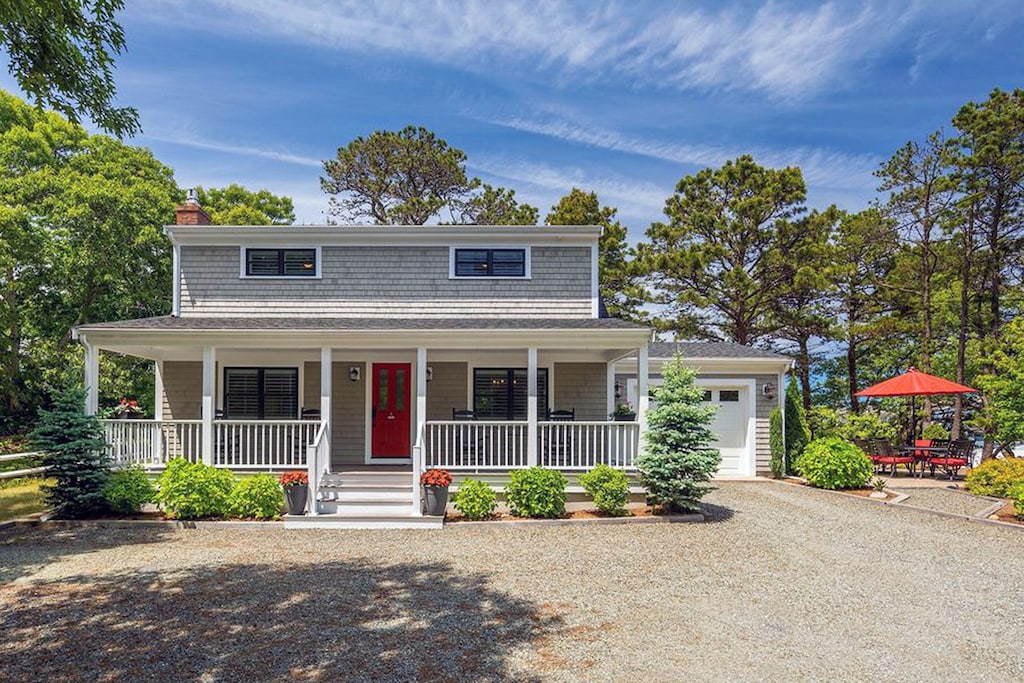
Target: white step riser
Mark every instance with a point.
(367, 480)
(369, 509)
(352, 522)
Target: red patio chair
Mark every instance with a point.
(958, 455)
(885, 456)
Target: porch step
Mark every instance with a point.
(367, 494)
(349, 520)
(371, 478)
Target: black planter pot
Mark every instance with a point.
(627, 417)
(435, 500)
(295, 498)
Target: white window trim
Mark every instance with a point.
(528, 266)
(242, 275)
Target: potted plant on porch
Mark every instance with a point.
(435, 484)
(128, 410)
(296, 491)
(624, 412)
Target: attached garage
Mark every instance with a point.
(742, 382)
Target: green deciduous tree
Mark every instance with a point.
(619, 284)
(237, 205)
(75, 453)
(497, 206)
(717, 264)
(677, 460)
(62, 54)
(397, 177)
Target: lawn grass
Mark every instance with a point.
(20, 497)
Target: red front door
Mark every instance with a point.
(390, 413)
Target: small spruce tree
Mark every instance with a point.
(776, 444)
(677, 461)
(797, 433)
(75, 453)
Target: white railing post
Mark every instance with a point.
(209, 382)
(326, 389)
(158, 410)
(421, 426)
(531, 406)
(314, 485)
(642, 399)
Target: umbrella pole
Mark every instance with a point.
(913, 419)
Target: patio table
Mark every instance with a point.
(921, 454)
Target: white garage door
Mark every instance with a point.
(730, 425)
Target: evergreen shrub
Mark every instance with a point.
(776, 444)
(129, 489)
(995, 477)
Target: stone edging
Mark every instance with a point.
(898, 502)
(654, 519)
(140, 523)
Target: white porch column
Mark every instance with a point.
(642, 400)
(531, 406)
(209, 398)
(92, 379)
(421, 421)
(158, 410)
(326, 389)
(611, 389)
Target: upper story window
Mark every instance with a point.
(480, 262)
(261, 262)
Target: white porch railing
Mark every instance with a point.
(262, 444)
(582, 445)
(317, 462)
(151, 443)
(457, 445)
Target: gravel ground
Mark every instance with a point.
(786, 583)
(945, 500)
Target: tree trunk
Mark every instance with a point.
(805, 373)
(962, 328)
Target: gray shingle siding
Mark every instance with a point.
(183, 390)
(447, 390)
(386, 281)
(348, 409)
(582, 387)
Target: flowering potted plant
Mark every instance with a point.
(128, 409)
(435, 484)
(296, 491)
(624, 412)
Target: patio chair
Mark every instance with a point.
(884, 456)
(958, 455)
(310, 414)
(467, 437)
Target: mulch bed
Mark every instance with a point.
(1007, 514)
(573, 514)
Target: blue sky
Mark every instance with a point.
(621, 97)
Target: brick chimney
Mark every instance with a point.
(190, 213)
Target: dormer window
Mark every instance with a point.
(264, 262)
(490, 263)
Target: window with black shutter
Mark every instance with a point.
(490, 263)
(261, 393)
(503, 393)
(281, 263)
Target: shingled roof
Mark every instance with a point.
(710, 349)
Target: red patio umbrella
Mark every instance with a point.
(912, 383)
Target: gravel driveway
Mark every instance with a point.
(785, 584)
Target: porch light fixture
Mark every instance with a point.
(768, 390)
(353, 373)
(430, 373)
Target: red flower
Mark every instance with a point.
(436, 477)
(294, 478)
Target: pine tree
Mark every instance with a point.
(75, 453)
(677, 459)
(797, 433)
(776, 444)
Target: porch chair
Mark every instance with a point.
(562, 415)
(467, 445)
(958, 455)
(885, 456)
(309, 414)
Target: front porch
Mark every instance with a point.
(478, 406)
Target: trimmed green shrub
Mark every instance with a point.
(129, 489)
(832, 463)
(536, 492)
(475, 499)
(74, 450)
(995, 477)
(678, 461)
(776, 444)
(608, 487)
(194, 490)
(256, 497)
(1016, 494)
(797, 433)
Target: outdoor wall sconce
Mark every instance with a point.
(768, 390)
(353, 373)
(430, 373)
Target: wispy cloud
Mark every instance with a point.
(820, 167)
(785, 50)
(227, 148)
